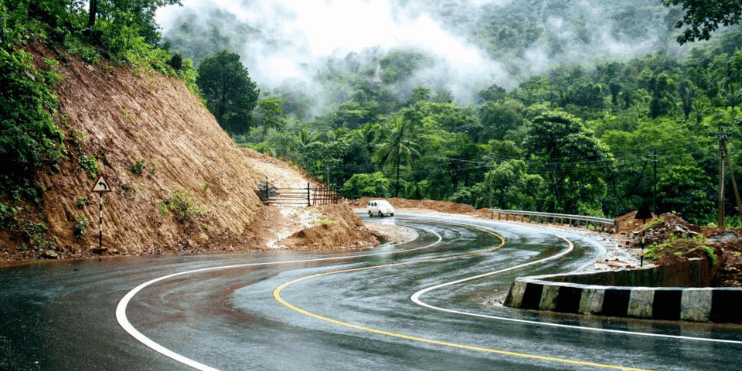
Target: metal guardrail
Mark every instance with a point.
(538, 217)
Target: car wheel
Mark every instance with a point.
(391, 214)
(370, 214)
(381, 215)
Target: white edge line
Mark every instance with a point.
(124, 302)
(416, 299)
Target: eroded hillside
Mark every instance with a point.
(137, 121)
(180, 184)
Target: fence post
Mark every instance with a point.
(309, 199)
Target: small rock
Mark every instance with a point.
(98, 250)
(49, 254)
(202, 238)
(724, 237)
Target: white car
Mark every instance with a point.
(380, 208)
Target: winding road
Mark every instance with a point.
(423, 305)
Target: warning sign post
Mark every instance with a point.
(100, 187)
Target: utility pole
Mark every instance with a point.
(654, 186)
(723, 137)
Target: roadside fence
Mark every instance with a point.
(605, 224)
(305, 196)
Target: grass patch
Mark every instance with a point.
(137, 167)
(673, 245)
(710, 253)
(653, 223)
(182, 205)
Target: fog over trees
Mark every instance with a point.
(548, 105)
(538, 105)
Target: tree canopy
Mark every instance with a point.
(230, 94)
(598, 141)
(702, 17)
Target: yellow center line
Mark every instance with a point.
(277, 296)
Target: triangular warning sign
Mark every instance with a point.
(101, 186)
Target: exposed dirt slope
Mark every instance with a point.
(125, 117)
(339, 228)
(122, 116)
(297, 226)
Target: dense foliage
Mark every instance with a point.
(574, 140)
(702, 17)
(33, 131)
(230, 94)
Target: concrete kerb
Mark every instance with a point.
(644, 299)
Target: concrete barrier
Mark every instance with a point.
(669, 292)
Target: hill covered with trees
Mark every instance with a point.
(592, 132)
(598, 138)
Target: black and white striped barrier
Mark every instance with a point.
(557, 294)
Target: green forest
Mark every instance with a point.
(597, 139)
(594, 141)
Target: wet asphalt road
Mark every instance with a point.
(355, 314)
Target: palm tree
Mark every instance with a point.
(399, 146)
(369, 134)
(305, 137)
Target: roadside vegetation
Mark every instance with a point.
(34, 135)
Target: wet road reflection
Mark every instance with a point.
(61, 316)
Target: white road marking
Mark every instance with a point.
(124, 302)
(128, 327)
(416, 299)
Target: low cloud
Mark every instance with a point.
(289, 42)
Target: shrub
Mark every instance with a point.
(366, 185)
(137, 167)
(82, 201)
(182, 205)
(29, 137)
(177, 61)
(80, 226)
(90, 165)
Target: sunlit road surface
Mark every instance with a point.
(336, 311)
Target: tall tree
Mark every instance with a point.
(269, 114)
(704, 16)
(572, 160)
(230, 94)
(399, 147)
(137, 13)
